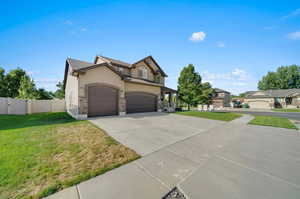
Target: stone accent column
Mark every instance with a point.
(122, 102)
(159, 104)
(83, 105)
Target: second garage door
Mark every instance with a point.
(102, 100)
(138, 102)
(259, 104)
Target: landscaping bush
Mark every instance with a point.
(246, 106)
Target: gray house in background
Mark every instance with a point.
(221, 98)
(282, 98)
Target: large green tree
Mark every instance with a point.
(285, 77)
(13, 81)
(27, 89)
(189, 86)
(206, 93)
(3, 87)
(43, 94)
(60, 92)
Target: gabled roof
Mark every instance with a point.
(77, 64)
(81, 66)
(113, 61)
(218, 90)
(274, 93)
(150, 57)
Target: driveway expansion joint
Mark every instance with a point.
(258, 171)
(147, 172)
(77, 190)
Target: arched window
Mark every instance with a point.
(143, 73)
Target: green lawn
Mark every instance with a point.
(273, 121)
(286, 110)
(223, 116)
(43, 153)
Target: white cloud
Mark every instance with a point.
(83, 29)
(235, 81)
(221, 44)
(207, 76)
(236, 75)
(294, 35)
(239, 84)
(239, 74)
(68, 22)
(198, 36)
(47, 83)
(292, 14)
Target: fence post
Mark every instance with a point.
(29, 107)
(8, 106)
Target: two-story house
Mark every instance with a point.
(112, 87)
(221, 98)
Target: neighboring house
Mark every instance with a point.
(112, 87)
(221, 98)
(282, 98)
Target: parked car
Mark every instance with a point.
(237, 104)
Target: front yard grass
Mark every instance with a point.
(223, 116)
(43, 153)
(273, 121)
(286, 110)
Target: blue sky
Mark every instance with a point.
(231, 43)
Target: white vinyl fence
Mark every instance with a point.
(22, 107)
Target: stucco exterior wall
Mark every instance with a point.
(100, 75)
(100, 60)
(71, 95)
(130, 87)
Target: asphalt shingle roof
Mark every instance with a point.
(218, 90)
(77, 64)
(273, 93)
(115, 61)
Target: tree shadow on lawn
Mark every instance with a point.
(10, 122)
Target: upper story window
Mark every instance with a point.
(120, 69)
(143, 73)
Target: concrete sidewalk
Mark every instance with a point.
(265, 112)
(232, 160)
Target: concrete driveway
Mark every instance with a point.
(149, 132)
(207, 159)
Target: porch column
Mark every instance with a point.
(170, 99)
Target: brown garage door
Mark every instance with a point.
(102, 100)
(138, 102)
